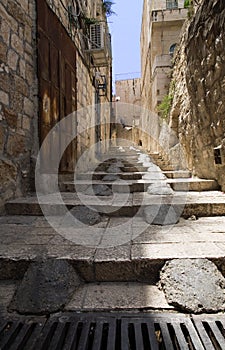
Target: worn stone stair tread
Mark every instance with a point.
(99, 175)
(7, 289)
(108, 296)
(208, 203)
(140, 259)
(139, 185)
(176, 174)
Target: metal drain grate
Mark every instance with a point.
(114, 332)
(211, 329)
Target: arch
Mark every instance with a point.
(172, 49)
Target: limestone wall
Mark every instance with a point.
(127, 109)
(198, 109)
(19, 143)
(85, 80)
(160, 30)
(18, 96)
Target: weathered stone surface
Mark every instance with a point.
(113, 169)
(16, 145)
(197, 111)
(46, 287)
(160, 188)
(162, 214)
(111, 177)
(86, 215)
(98, 190)
(193, 285)
(154, 175)
(8, 172)
(11, 118)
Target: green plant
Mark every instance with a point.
(186, 3)
(107, 7)
(189, 4)
(89, 21)
(165, 106)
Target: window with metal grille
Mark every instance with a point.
(171, 4)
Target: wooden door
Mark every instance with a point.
(57, 83)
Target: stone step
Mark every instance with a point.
(200, 204)
(178, 174)
(141, 185)
(123, 175)
(101, 175)
(128, 168)
(101, 296)
(140, 257)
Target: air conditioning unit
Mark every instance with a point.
(97, 35)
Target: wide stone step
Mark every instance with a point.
(100, 258)
(200, 204)
(125, 185)
(179, 174)
(127, 176)
(101, 175)
(128, 168)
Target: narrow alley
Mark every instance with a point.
(112, 206)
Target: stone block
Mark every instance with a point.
(3, 52)
(16, 145)
(162, 214)
(12, 59)
(17, 101)
(4, 98)
(16, 11)
(98, 190)
(5, 82)
(21, 86)
(17, 44)
(193, 285)
(8, 172)
(5, 32)
(10, 117)
(28, 107)
(46, 287)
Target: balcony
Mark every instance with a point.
(161, 61)
(169, 15)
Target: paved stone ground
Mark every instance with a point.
(120, 257)
(28, 236)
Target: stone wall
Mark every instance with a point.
(18, 96)
(161, 29)
(19, 143)
(85, 81)
(198, 108)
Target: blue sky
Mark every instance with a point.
(125, 28)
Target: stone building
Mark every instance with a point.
(127, 108)
(55, 58)
(162, 21)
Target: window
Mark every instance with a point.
(171, 4)
(172, 48)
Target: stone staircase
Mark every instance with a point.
(119, 258)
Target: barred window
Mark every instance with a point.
(171, 4)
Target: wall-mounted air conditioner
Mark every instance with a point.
(97, 36)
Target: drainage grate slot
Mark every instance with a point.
(215, 335)
(211, 331)
(92, 331)
(187, 337)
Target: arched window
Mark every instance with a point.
(172, 48)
